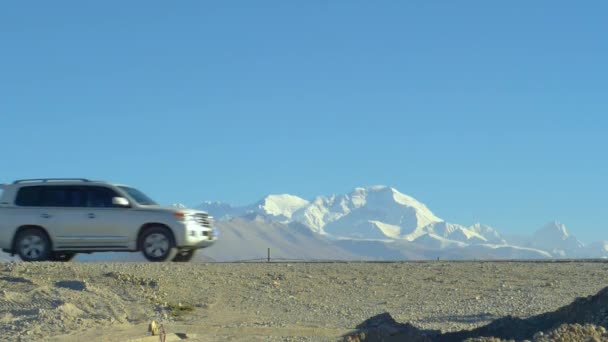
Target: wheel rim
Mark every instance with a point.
(32, 246)
(156, 245)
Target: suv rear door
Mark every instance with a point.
(56, 208)
(78, 217)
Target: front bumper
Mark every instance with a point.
(195, 236)
(204, 243)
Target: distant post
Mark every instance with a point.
(268, 254)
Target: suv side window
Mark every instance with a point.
(50, 196)
(29, 196)
(62, 196)
(100, 197)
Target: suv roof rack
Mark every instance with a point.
(45, 180)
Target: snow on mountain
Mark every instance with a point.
(554, 238)
(322, 210)
(388, 230)
(395, 220)
(489, 233)
(375, 212)
(450, 231)
(281, 207)
(435, 241)
(343, 215)
(277, 207)
(475, 234)
(489, 251)
(365, 229)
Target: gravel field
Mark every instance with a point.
(276, 301)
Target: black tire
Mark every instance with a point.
(62, 256)
(32, 244)
(157, 244)
(184, 256)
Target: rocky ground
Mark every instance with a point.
(281, 301)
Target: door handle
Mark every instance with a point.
(45, 215)
(91, 216)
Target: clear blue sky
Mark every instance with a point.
(486, 111)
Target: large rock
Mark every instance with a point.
(585, 319)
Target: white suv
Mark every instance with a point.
(53, 219)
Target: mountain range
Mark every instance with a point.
(371, 223)
(374, 223)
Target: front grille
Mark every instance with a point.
(203, 219)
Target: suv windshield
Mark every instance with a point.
(138, 196)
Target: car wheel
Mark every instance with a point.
(157, 244)
(33, 245)
(62, 256)
(184, 256)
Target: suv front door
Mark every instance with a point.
(108, 226)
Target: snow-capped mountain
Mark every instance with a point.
(367, 213)
(373, 212)
(449, 231)
(280, 207)
(277, 207)
(554, 238)
(491, 235)
(377, 212)
(395, 220)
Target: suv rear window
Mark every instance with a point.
(29, 196)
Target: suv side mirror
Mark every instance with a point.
(120, 202)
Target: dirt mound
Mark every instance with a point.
(384, 328)
(585, 319)
(574, 332)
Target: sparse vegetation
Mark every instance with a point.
(179, 310)
(303, 301)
